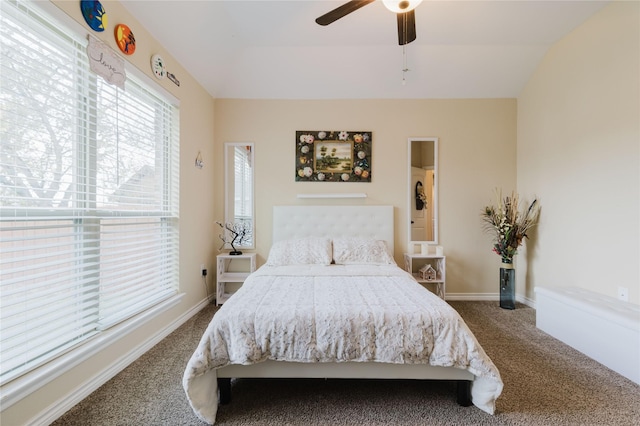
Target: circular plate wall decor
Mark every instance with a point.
(157, 65)
(125, 39)
(94, 14)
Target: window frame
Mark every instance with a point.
(16, 387)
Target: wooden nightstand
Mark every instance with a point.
(232, 269)
(413, 263)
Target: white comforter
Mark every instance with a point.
(335, 313)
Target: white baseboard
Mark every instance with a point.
(472, 296)
(490, 297)
(64, 404)
(527, 301)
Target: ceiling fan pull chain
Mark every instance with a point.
(404, 64)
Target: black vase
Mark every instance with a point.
(507, 287)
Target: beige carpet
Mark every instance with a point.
(545, 383)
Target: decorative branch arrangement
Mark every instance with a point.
(508, 224)
(233, 233)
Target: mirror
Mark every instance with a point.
(423, 190)
(238, 189)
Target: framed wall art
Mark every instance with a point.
(333, 156)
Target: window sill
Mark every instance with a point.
(22, 386)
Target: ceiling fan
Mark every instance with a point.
(405, 10)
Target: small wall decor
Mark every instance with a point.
(333, 156)
(105, 62)
(125, 39)
(199, 161)
(94, 15)
(421, 198)
(173, 78)
(157, 66)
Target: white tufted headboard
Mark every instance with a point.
(333, 221)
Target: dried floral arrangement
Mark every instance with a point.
(508, 224)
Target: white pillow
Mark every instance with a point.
(302, 251)
(358, 251)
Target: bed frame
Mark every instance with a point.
(328, 221)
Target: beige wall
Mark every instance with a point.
(577, 130)
(477, 152)
(197, 203)
(578, 150)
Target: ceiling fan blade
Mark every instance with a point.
(342, 11)
(406, 27)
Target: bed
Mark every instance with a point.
(330, 302)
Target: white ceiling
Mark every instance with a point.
(273, 49)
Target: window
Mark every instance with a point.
(88, 193)
(243, 190)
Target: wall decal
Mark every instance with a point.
(125, 39)
(158, 67)
(105, 62)
(173, 78)
(333, 156)
(94, 14)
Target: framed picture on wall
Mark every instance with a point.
(333, 156)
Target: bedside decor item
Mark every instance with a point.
(427, 273)
(333, 156)
(233, 234)
(509, 227)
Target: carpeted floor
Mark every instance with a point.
(545, 383)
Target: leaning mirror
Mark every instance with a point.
(423, 190)
(239, 212)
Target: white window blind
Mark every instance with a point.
(89, 193)
(243, 190)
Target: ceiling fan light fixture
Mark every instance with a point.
(401, 6)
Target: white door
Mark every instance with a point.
(429, 190)
(419, 219)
